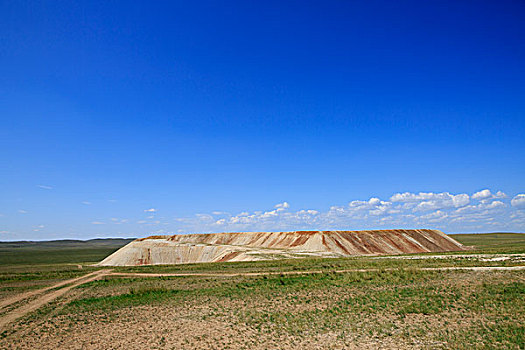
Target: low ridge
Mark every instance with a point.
(251, 246)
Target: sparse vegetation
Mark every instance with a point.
(393, 304)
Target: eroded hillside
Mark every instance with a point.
(251, 246)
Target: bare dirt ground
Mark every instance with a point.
(462, 301)
(162, 327)
(518, 257)
(14, 299)
(211, 321)
(57, 290)
(309, 272)
(63, 287)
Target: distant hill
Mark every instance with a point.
(252, 246)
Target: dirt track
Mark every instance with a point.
(9, 301)
(72, 283)
(308, 272)
(46, 298)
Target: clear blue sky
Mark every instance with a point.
(111, 108)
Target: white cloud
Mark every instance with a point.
(485, 195)
(482, 194)
(484, 210)
(444, 197)
(446, 211)
(434, 215)
(86, 203)
(500, 194)
(410, 197)
(44, 187)
(282, 206)
(457, 201)
(308, 212)
(518, 201)
(22, 211)
(374, 201)
(496, 204)
(205, 217)
(427, 201)
(38, 228)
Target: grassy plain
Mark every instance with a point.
(56, 252)
(493, 242)
(31, 265)
(393, 304)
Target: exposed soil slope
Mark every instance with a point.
(250, 246)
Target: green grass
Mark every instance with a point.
(52, 260)
(494, 242)
(57, 252)
(317, 264)
(14, 254)
(148, 290)
(58, 259)
(402, 303)
(393, 301)
(49, 256)
(55, 260)
(52, 274)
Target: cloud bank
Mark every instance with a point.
(478, 212)
(482, 211)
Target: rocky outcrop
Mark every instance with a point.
(250, 246)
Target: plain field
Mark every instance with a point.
(393, 304)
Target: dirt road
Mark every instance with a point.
(308, 272)
(46, 298)
(72, 283)
(14, 299)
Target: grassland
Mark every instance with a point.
(56, 252)
(393, 304)
(31, 265)
(494, 242)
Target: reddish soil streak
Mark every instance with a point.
(229, 256)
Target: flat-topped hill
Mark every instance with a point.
(250, 246)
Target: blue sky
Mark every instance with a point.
(284, 113)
